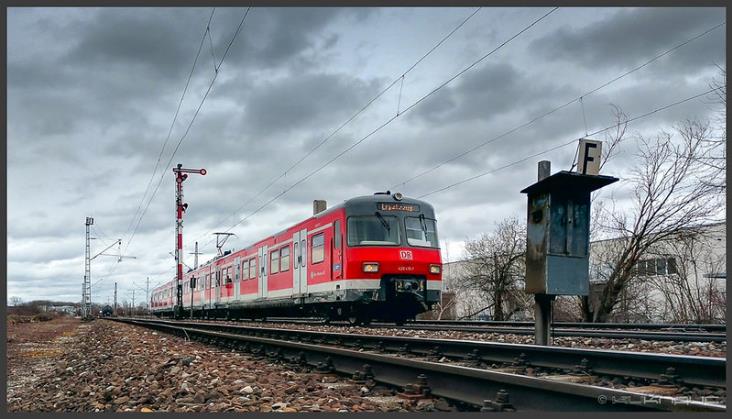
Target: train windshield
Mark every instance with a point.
(421, 231)
(373, 230)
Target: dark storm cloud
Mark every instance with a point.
(304, 102)
(490, 92)
(633, 35)
(273, 37)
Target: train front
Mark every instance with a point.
(392, 245)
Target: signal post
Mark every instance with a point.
(181, 175)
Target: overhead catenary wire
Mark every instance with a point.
(190, 124)
(388, 121)
(558, 146)
(558, 108)
(172, 124)
(350, 119)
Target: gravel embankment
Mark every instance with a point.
(108, 366)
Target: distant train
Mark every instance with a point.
(370, 258)
(107, 311)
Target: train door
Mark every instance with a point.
(337, 262)
(237, 277)
(299, 265)
(218, 284)
(262, 277)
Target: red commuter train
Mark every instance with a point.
(370, 258)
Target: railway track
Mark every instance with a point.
(483, 374)
(654, 332)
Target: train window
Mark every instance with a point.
(253, 268)
(285, 258)
(274, 265)
(304, 252)
(318, 251)
(218, 278)
(245, 270)
(421, 232)
(337, 233)
(227, 275)
(373, 230)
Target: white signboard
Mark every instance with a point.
(588, 162)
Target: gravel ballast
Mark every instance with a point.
(110, 366)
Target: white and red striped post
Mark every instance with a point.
(181, 174)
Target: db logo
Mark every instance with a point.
(405, 254)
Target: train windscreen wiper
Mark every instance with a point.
(383, 221)
(423, 223)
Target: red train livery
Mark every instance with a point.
(370, 258)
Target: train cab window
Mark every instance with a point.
(285, 258)
(274, 259)
(318, 250)
(373, 230)
(253, 268)
(227, 276)
(421, 232)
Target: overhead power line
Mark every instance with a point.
(558, 146)
(172, 124)
(349, 120)
(190, 124)
(387, 122)
(554, 110)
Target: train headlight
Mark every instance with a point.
(370, 267)
(435, 269)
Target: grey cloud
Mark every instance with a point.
(488, 93)
(632, 35)
(304, 102)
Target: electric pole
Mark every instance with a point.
(115, 298)
(86, 288)
(147, 296)
(195, 257)
(133, 302)
(181, 175)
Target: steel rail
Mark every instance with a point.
(468, 385)
(583, 325)
(656, 332)
(674, 336)
(689, 370)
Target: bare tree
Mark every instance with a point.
(715, 156)
(671, 191)
(16, 301)
(496, 267)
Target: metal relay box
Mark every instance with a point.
(558, 233)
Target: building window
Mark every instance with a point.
(274, 265)
(318, 252)
(285, 258)
(656, 266)
(253, 268)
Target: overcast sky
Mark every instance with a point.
(92, 94)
